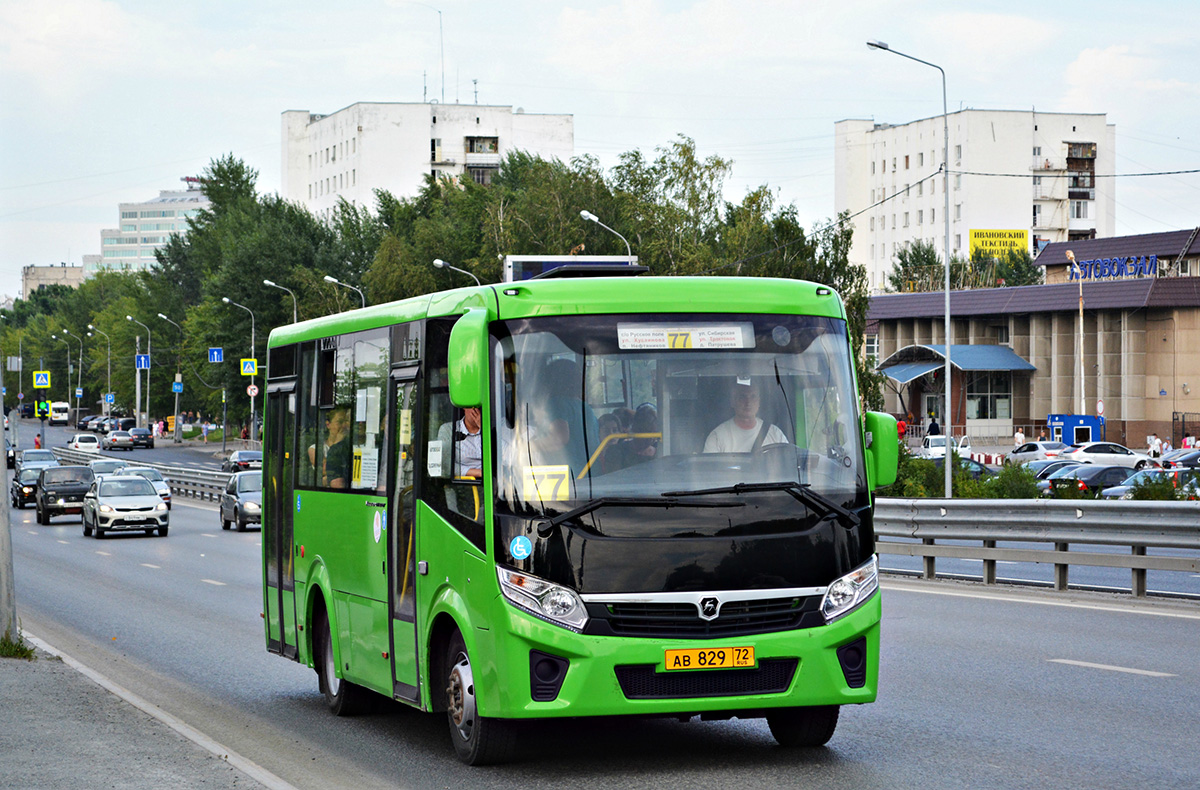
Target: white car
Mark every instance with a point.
(1107, 453)
(935, 447)
(87, 442)
(1034, 451)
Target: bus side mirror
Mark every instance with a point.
(883, 452)
(468, 359)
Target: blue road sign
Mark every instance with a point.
(41, 379)
(110, 397)
(143, 361)
(176, 386)
(216, 355)
(249, 367)
(79, 392)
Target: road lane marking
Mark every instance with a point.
(1021, 599)
(32, 531)
(222, 752)
(210, 581)
(148, 565)
(65, 543)
(206, 535)
(1111, 668)
(103, 553)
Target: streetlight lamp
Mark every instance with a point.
(336, 281)
(1078, 272)
(227, 300)
(438, 263)
(78, 375)
(295, 312)
(947, 410)
(178, 375)
(590, 217)
(109, 339)
(148, 354)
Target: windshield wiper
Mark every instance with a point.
(546, 526)
(801, 491)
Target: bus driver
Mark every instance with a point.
(745, 431)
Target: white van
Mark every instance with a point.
(935, 447)
(60, 413)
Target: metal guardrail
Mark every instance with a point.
(192, 483)
(900, 523)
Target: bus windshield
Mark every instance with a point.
(640, 406)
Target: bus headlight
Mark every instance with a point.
(548, 601)
(845, 594)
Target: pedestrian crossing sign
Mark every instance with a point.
(41, 379)
(249, 367)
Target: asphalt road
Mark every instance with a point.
(979, 688)
(196, 456)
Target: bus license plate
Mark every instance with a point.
(710, 658)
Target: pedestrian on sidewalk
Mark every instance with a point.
(245, 437)
(37, 442)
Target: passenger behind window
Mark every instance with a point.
(468, 443)
(336, 455)
(571, 432)
(745, 431)
(646, 437)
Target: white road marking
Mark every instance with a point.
(65, 543)
(210, 581)
(148, 565)
(206, 535)
(1021, 599)
(104, 554)
(1111, 668)
(246, 766)
(32, 532)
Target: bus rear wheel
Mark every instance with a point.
(812, 726)
(343, 697)
(478, 740)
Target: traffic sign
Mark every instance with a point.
(216, 355)
(79, 392)
(110, 397)
(176, 386)
(1100, 407)
(41, 379)
(249, 367)
(20, 396)
(143, 361)
(3, 390)
(252, 390)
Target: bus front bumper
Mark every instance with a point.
(834, 664)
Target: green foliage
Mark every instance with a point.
(15, 648)
(1014, 481)
(1156, 488)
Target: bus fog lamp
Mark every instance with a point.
(548, 601)
(848, 592)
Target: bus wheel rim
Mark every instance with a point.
(461, 693)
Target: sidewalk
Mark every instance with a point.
(59, 729)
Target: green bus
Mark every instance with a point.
(578, 496)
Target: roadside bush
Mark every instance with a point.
(1157, 488)
(1014, 481)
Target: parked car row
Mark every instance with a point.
(99, 423)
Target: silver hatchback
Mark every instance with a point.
(124, 502)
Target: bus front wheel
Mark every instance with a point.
(478, 740)
(343, 697)
(812, 726)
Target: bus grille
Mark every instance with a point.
(682, 620)
(771, 676)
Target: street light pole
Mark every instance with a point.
(438, 263)
(295, 312)
(227, 300)
(109, 385)
(78, 375)
(336, 281)
(590, 217)
(1078, 272)
(64, 340)
(178, 375)
(150, 354)
(948, 408)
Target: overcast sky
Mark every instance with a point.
(110, 101)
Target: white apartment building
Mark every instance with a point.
(144, 227)
(393, 146)
(1047, 175)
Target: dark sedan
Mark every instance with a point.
(1189, 460)
(23, 490)
(1043, 469)
(142, 438)
(970, 466)
(241, 460)
(241, 501)
(61, 490)
(9, 454)
(1088, 480)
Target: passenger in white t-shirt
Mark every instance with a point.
(739, 434)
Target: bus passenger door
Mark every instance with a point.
(279, 570)
(402, 537)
